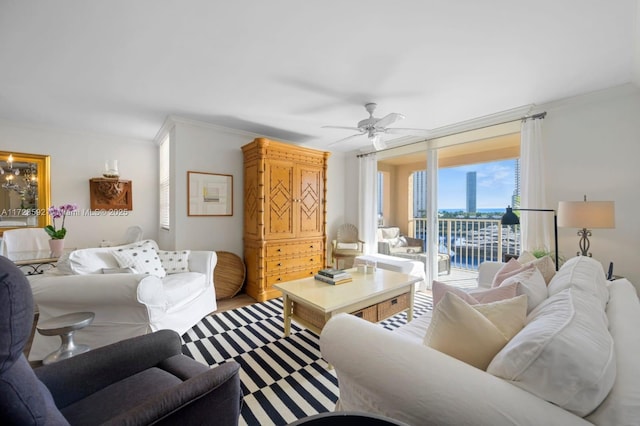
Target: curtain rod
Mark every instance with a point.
(369, 153)
(540, 115)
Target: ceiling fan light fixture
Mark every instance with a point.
(377, 142)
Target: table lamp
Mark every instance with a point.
(586, 215)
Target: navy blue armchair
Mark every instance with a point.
(140, 381)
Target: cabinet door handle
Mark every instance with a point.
(279, 264)
(311, 246)
(279, 250)
(278, 279)
(311, 260)
(394, 302)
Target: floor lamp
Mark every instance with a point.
(510, 218)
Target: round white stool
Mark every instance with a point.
(64, 326)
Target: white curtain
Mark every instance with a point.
(536, 227)
(367, 202)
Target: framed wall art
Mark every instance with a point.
(210, 194)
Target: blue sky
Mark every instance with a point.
(495, 183)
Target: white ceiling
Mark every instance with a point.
(284, 68)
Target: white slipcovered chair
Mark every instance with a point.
(24, 239)
(128, 299)
(347, 245)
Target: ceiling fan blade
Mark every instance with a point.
(388, 119)
(346, 139)
(342, 127)
(405, 131)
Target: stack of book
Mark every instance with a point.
(333, 276)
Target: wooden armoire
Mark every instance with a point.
(284, 214)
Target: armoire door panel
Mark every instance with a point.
(251, 201)
(309, 205)
(280, 193)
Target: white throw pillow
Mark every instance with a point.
(174, 262)
(389, 233)
(94, 260)
(473, 297)
(63, 265)
(474, 334)
(531, 283)
(142, 260)
(526, 257)
(564, 354)
(584, 273)
(347, 246)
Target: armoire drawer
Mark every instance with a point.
(288, 249)
(282, 265)
(290, 276)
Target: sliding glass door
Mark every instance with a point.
(450, 193)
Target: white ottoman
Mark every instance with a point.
(398, 264)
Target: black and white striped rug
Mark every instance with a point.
(283, 378)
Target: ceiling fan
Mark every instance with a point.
(374, 127)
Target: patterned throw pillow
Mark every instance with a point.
(142, 260)
(175, 262)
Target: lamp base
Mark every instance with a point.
(584, 243)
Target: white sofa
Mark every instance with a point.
(394, 374)
(125, 303)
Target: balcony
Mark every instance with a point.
(470, 242)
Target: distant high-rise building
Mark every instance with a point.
(420, 193)
(471, 192)
(515, 198)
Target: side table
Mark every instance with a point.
(65, 326)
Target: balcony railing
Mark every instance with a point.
(471, 241)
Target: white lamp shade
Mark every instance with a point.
(586, 214)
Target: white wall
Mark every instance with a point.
(200, 147)
(207, 148)
(593, 148)
(78, 157)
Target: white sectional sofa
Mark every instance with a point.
(126, 298)
(557, 370)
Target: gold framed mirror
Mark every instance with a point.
(25, 190)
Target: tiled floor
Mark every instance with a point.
(464, 278)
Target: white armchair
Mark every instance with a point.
(347, 246)
(391, 241)
(125, 304)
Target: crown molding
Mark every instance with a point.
(614, 92)
(172, 120)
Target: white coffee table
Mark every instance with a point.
(373, 296)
